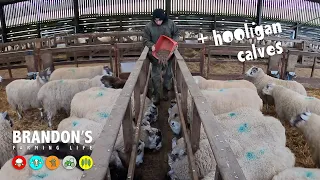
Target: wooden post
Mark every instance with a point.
(47, 61)
(259, 12)
(202, 59)
(291, 63)
(273, 63)
(244, 67)
(313, 66)
(9, 69)
(37, 54)
(208, 63)
(137, 99)
(127, 129)
(195, 128)
(30, 61)
(3, 24)
(184, 99)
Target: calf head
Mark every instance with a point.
(107, 71)
(174, 119)
(300, 119)
(152, 137)
(178, 149)
(140, 153)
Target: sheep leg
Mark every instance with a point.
(49, 118)
(41, 112)
(19, 112)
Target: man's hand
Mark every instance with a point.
(153, 48)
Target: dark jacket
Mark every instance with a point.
(152, 32)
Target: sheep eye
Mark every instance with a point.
(176, 115)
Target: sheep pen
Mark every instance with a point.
(295, 140)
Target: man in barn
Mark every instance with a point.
(159, 25)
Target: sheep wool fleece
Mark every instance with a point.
(289, 103)
(76, 73)
(298, 173)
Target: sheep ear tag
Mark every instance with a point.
(305, 116)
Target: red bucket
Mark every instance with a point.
(165, 43)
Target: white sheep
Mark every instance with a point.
(260, 80)
(298, 173)
(221, 101)
(309, 124)
(98, 106)
(258, 142)
(98, 97)
(250, 124)
(80, 72)
(260, 161)
(225, 100)
(204, 161)
(6, 151)
(56, 95)
(22, 93)
(289, 103)
(217, 84)
(81, 124)
(94, 97)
